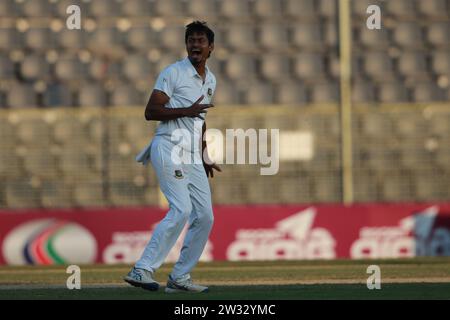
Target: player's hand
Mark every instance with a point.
(197, 109)
(209, 168)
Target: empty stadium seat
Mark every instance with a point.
(429, 185)
(227, 94)
(308, 66)
(205, 9)
(426, 92)
(20, 194)
(101, 68)
(56, 194)
(435, 9)
(442, 157)
(363, 92)
(307, 36)
(274, 67)
(34, 67)
(375, 125)
(136, 8)
(92, 95)
(392, 92)
(300, 9)
(440, 125)
(260, 191)
(125, 193)
(11, 165)
(69, 68)
(71, 39)
(104, 9)
(57, 95)
(295, 189)
(137, 67)
(374, 39)
(291, 92)
(327, 187)
(40, 163)
(328, 9)
(107, 41)
(137, 131)
(325, 93)
(413, 127)
(441, 62)
(71, 131)
(365, 186)
(172, 38)
(378, 65)
(123, 167)
(403, 9)
(330, 34)
(273, 36)
(74, 162)
(141, 38)
(240, 67)
(235, 9)
(241, 37)
(260, 94)
(438, 35)
(396, 187)
(33, 131)
(415, 158)
(169, 8)
(10, 39)
(39, 39)
(126, 95)
(21, 96)
(165, 61)
(89, 194)
(2, 101)
(6, 67)
(267, 8)
(413, 64)
(7, 133)
(8, 8)
(37, 8)
(408, 34)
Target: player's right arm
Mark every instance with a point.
(156, 110)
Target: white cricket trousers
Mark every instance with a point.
(187, 190)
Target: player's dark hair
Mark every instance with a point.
(199, 27)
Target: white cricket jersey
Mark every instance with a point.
(183, 85)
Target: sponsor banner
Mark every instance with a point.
(119, 235)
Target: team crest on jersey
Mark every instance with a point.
(209, 92)
(178, 174)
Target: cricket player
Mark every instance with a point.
(182, 93)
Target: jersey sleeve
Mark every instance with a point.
(166, 81)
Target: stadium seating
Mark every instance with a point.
(71, 101)
(297, 30)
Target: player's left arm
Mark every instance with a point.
(208, 164)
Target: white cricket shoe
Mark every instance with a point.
(183, 284)
(141, 278)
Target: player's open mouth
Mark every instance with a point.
(196, 52)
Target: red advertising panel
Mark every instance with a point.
(240, 233)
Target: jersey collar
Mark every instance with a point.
(193, 72)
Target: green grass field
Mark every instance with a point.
(424, 278)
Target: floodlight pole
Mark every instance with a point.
(345, 55)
